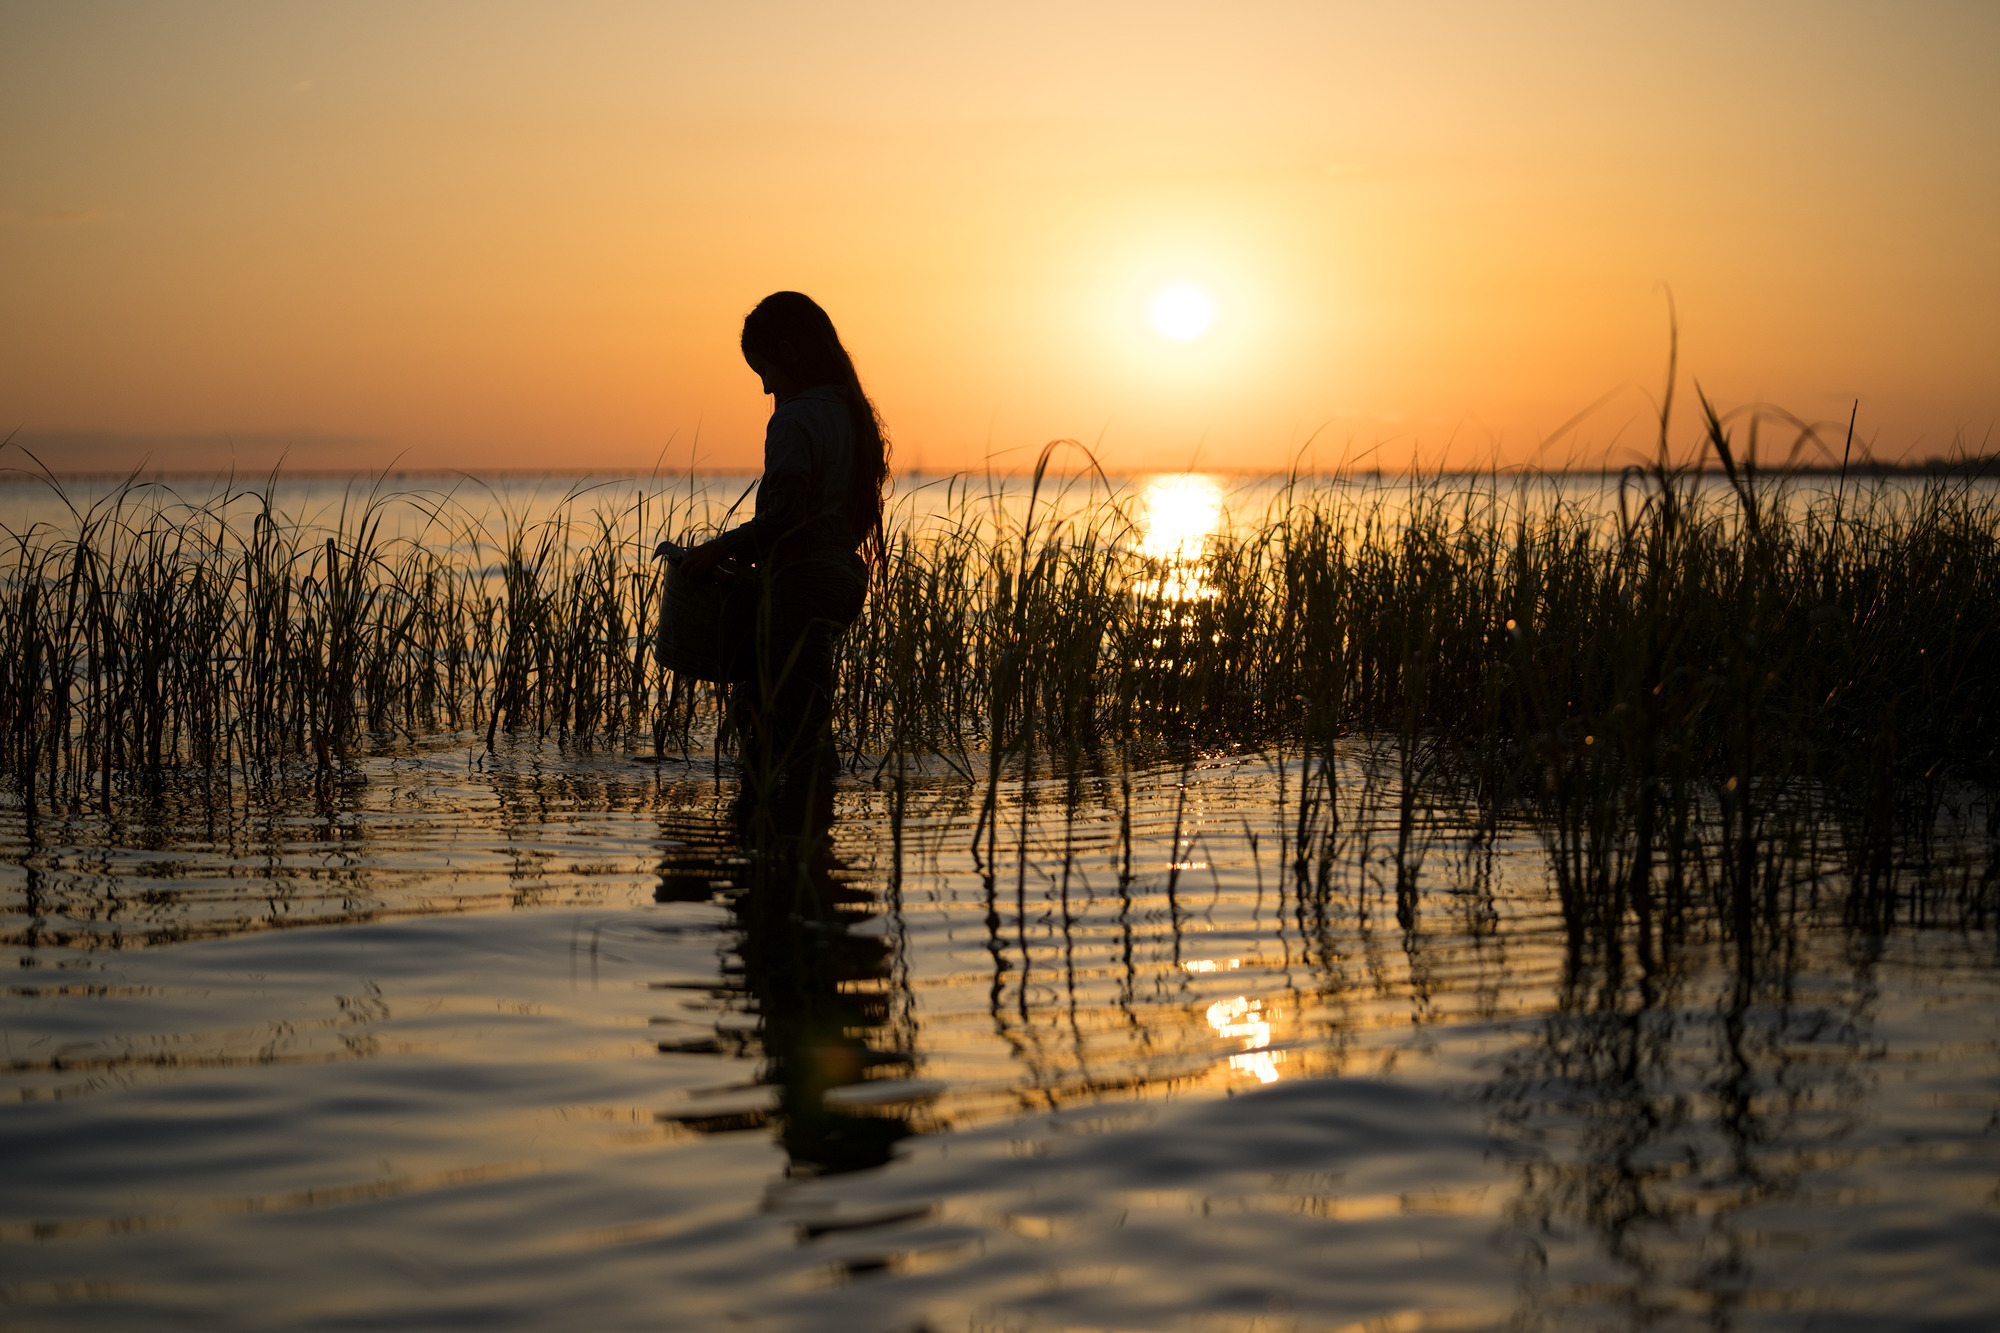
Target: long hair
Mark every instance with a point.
(790, 332)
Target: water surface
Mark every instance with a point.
(522, 1041)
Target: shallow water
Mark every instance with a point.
(506, 1042)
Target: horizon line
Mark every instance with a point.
(1980, 463)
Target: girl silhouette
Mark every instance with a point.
(815, 535)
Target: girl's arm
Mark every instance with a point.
(782, 498)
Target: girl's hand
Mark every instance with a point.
(700, 561)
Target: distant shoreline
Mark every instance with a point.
(1986, 465)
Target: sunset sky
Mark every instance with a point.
(510, 235)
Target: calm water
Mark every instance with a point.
(532, 1040)
(504, 1042)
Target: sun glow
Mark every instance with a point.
(1182, 312)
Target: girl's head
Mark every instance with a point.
(790, 334)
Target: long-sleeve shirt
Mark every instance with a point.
(801, 512)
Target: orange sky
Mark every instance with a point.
(496, 234)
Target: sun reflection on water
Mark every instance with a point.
(1245, 1020)
(1182, 511)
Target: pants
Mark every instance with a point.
(784, 627)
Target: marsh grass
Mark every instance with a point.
(220, 638)
(1693, 684)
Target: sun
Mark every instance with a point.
(1182, 312)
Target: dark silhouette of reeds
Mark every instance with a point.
(1696, 661)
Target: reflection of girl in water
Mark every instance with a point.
(816, 532)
